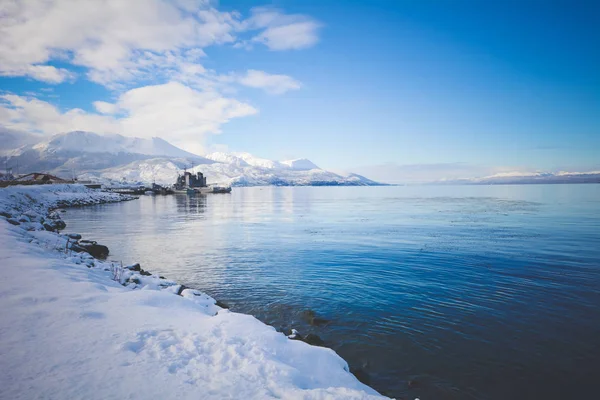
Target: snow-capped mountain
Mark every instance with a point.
(116, 158)
(247, 159)
(300, 164)
(89, 142)
(12, 140)
(233, 172)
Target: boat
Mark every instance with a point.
(221, 189)
(159, 189)
(191, 184)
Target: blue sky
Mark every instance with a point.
(490, 86)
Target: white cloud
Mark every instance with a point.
(132, 47)
(298, 35)
(104, 36)
(44, 73)
(282, 31)
(121, 41)
(105, 108)
(275, 84)
(172, 111)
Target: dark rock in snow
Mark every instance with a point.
(138, 268)
(89, 246)
(5, 214)
(292, 334)
(134, 267)
(59, 224)
(181, 289)
(13, 221)
(74, 236)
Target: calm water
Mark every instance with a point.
(483, 292)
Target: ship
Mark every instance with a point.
(190, 184)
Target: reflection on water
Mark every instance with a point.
(486, 292)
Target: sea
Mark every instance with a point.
(429, 292)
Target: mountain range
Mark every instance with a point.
(113, 159)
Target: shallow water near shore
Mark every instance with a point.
(483, 292)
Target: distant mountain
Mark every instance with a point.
(247, 159)
(89, 142)
(115, 158)
(77, 152)
(11, 140)
(228, 171)
(529, 178)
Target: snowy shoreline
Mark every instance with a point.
(75, 326)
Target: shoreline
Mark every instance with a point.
(38, 219)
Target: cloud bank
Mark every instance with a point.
(150, 54)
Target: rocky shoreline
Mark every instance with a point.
(41, 219)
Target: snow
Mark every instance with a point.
(226, 170)
(78, 141)
(257, 161)
(300, 164)
(77, 327)
(227, 158)
(112, 159)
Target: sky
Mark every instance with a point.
(443, 89)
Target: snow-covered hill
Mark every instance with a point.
(116, 158)
(165, 171)
(528, 178)
(89, 142)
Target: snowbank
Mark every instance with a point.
(76, 327)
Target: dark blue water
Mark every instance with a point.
(483, 292)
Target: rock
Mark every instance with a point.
(32, 215)
(5, 214)
(293, 334)
(221, 304)
(13, 221)
(74, 236)
(24, 218)
(91, 247)
(145, 273)
(59, 224)
(181, 289)
(314, 340)
(134, 267)
(311, 317)
(362, 376)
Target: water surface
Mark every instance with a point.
(483, 292)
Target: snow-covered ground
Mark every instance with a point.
(75, 327)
